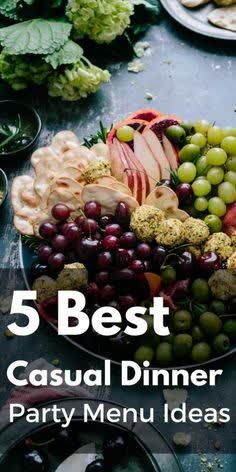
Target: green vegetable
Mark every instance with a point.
(13, 136)
(37, 36)
(102, 21)
(70, 53)
(20, 71)
(77, 81)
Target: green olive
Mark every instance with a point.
(201, 352)
(221, 343)
(176, 134)
(229, 329)
(217, 307)
(164, 354)
(143, 353)
(168, 275)
(210, 323)
(182, 345)
(197, 334)
(200, 290)
(182, 321)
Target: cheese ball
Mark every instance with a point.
(195, 231)
(219, 243)
(72, 277)
(170, 233)
(145, 222)
(231, 262)
(233, 239)
(95, 169)
(46, 287)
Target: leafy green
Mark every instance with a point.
(39, 36)
(20, 71)
(77, 81)
(32, 242)
(8, 8)
(70, 53)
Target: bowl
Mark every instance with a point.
(3, 186)
(12, 113)
(149, 449)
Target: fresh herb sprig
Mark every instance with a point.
(32, 242)
(100, 136)
(13, 136)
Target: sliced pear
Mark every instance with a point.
(157, 150)
(170, 152)
(107, 197)
(163, 198)
(145, 156)
(79, 461)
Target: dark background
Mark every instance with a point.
(190, 76)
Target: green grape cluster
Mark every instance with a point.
(208, 162)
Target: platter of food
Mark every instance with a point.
(85, 447)
(216, 19)
(145, 210)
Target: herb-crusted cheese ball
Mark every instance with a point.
(72, 277)
(145, 221)
(231, 262)
(223, 284)
(170, 232)
(195, 231)
(46, 287)
(219, 243)
(95, 169)
(233, 239)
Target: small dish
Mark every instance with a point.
(24, 122)
(3, 187)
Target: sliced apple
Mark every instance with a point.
(107, 197)
(157, 150)
(145, 156)
(178, 215)
(170, 152)
(142, 186)
(163, 198)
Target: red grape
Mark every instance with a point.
(43, 253)
(104, 260)
(122, 258)
(87, 248)
(59, 242)
(186, 264)
(66, 226)
(158, 257)
(185, 194)
(91, 293)
(102, 278)
(127, 301)
(114, 229)
(47, 230)
(73, 234)
(79, 220)
(97, 236)
(56, 261)
(132, 254)
(110, 243)
(122, 214)
(105, 220)
(143, 251)
(107, 293)
(60, 212)
(209, 262)
(128, 240)
(137, 266)
(89, 226)
(92, 210)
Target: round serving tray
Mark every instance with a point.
(25, 256)
(196, 19)
(146, 437)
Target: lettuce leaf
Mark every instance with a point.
(70, 53)
(39, 36)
